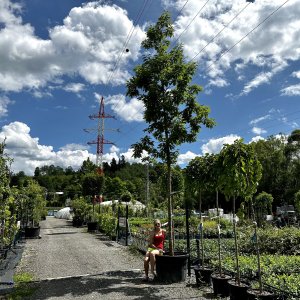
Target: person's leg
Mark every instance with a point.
(146, 264)
(153, 260)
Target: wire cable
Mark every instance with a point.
(115, 105)
(225, 26)
(180, 11)
(228, 50)
(190, 22)
(258, 25)
(129, 35)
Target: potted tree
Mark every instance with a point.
(80, 209)
(162, 83)
(34, 205)
(259, 293)
(7, 205)
(240, 176)
(262, 205)
(92, 187)
(198, 179)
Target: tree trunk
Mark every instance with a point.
(170, 208)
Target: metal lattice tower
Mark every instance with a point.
(101, 141)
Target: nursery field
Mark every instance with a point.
(279, 249)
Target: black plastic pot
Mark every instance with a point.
(32, 232)
(237, 291)
(92, 226)
(170, 269)
(253, 294)
(77, 222)
(203, 274)
(220, 284)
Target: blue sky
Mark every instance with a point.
(59, 57)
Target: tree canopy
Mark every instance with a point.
(163, 83)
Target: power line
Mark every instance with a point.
(129, 35)
(225, 26)
(259, 24)
(181, 10)
(199, 11)
(115, 106)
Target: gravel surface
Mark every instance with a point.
(70, 263)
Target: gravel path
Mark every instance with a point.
(69, 263)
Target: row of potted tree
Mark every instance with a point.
(21, 207)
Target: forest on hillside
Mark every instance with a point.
(279, 157)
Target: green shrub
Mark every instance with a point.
(107, 224)
(272, 241)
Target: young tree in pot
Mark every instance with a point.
(7, 203)
(34, 205)
(177, 180)
(80, 209)
(198, 179)
(174, 116)
(92, 187)
(127, 198)
(240, 176)
(262, 205)
(259, 293)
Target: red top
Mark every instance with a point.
(158, 240)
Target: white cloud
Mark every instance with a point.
(258, 80)
(74, 147)
(186, 157)
(285, 120)
(129, 156)
(258, 130)
(219, 82)
(265, 77)
(114, 148)
(257, 138)
(296, 74)
(4, 102)
(216, 145)
(28, 154)
(293, 90)
(107, 157)
(257, 120)
(74, 87)
(87, 44)
(129, 111)
(269, 47)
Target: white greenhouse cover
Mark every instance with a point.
(64, 213)
(137, 205)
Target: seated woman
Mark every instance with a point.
(156, 247)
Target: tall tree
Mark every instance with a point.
(92, 184)
(271, 154)
(87, 167)
(163, 83)
(240, 177)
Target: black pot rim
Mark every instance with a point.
(234, 283)
(176, 254)
(205, 268)
(256, 292)
(32, 227)
(224, 276)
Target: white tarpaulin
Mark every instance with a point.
(64, 213)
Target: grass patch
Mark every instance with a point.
(23, 278)
(22, 288)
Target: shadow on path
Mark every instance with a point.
(109, 285)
